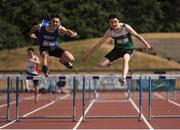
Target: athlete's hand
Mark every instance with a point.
(74, 34)
(33, 36)
(147, 47)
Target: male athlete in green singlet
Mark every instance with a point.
(123, 45)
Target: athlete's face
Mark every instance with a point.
(55, 22)
(114, 23)
(30, 54)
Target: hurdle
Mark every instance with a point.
(18, 117)
(7, 116)
(8, 96)
(95, 78)
(160, 77)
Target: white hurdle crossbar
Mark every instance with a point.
(97, 77)
(21, 77)
(148, 77)
(45, 117)
(160, 77)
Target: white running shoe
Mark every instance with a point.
(67, 64)
(122, 81)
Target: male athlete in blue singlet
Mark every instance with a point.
(123, 45)
(47, 40)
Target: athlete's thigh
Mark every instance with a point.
(127, 54)
(56, 51)
(113, 55)
(126, 57)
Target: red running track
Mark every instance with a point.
(47, 107)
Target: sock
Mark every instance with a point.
(44, 69)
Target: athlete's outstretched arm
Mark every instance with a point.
(68, 32)
(33, 30)
(139, 37)
(98, 45)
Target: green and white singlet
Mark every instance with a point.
(122, 39)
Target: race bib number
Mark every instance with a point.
(48, 43)
(122, 41)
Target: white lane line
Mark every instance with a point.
(162, 97)
(143, 117)
(81, 118)
(159, 96)
(61, 98)
(13, 102)
(175, 103)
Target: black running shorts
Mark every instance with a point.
(52, 50)
(35, 82)
(116, 53)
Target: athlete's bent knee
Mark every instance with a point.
(44, 54)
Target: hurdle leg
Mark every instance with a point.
(89, 87)
(8, 99)
(150, 98)
(168, 90)
(55, 89)
(95, 88)
(74, 98)
(174, 89)
(134, 88)
(140, 99)
(128, 89)
(17, 98)
(50, 90)
(83, 98)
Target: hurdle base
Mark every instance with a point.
(47, 117)
(166, 116)
(115, 117)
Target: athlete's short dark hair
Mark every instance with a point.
(30, 49)
(112, 16)
(55, 16)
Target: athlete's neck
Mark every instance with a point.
(51, 28)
